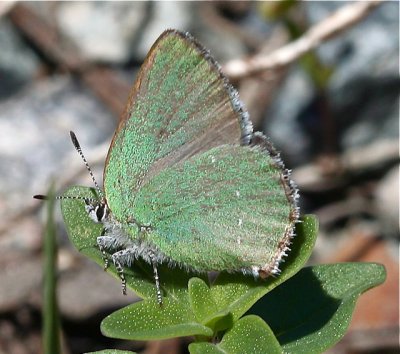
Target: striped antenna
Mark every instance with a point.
(45, 197)
(87, 200)
(78, 148)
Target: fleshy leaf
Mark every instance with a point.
(248, 335)
(310, 312)
(146, 320)
(202, 303)
(204, 307)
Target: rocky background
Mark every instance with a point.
(334, 114)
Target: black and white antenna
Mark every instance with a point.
(78, 148)
(87, 200)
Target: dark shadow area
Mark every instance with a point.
(290, 314)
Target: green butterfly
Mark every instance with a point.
(186, 181)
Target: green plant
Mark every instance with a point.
(50, 314)
(308, 313)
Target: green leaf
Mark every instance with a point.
(201, 300)
(248, 335)
(147, 320)
(237, 293)
(204, 307)
(310, 312)
(51, 320)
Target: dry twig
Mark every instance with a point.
(6, 6)
(313, 177)
(105, 82)
(333, 25)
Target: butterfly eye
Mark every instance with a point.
(94, 211)
(101, 212)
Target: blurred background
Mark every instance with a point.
(334, 114)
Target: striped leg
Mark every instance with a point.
(120, 270)
(126, 257)
(157, 280)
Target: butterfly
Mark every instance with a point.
(186, 180)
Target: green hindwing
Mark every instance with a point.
(225, 209)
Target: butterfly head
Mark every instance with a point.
(97, 210)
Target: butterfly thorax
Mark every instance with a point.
(123, 241)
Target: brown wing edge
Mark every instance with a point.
(292, 194)
(246, 126)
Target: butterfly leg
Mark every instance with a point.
(116, 257)
(157, 280)
(105, 243)
(124, 257)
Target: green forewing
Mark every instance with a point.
(223, 209)
(180, 105)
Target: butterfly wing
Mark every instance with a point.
(181, 105)
(230, 208)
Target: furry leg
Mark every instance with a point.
(120, 270)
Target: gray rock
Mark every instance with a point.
(34, 147)
(387, 203)
(34, 136)
(362, 92)
(368, 48)
(116, 32)
(164, 15)
(18, 63)
(97, 291)
(103, 31)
